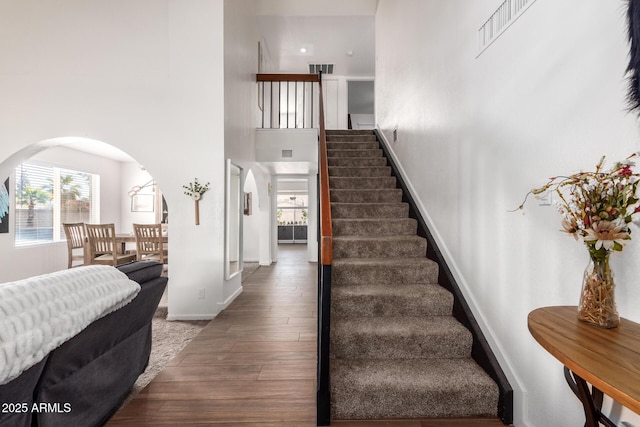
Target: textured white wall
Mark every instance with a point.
(145, 76)
(475, 134)
(240, 101)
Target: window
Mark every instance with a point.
(47, 197)
(292, 208)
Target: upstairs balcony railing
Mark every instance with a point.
(288, 101)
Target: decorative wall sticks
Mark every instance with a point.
(195, 190)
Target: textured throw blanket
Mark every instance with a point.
(40, 313)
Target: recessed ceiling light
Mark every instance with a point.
(349, 53)
(303, 50)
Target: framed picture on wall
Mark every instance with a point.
(142, 203)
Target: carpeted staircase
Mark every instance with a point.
(396, 350)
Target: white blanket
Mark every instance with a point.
(40, 313)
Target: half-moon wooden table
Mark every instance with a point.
(608, 359)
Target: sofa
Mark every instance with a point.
(83, 381)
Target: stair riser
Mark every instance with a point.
(354, 183)
(413, 248)
(354, 153)
(352, 145)
(355, 346)
(357, 161)
(342, 273)
(366, 210)
(380, 227)
(351, 138)
(366, 196)
(360, 172)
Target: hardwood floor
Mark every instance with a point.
(254, 364)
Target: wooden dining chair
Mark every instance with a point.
(102, 245)
(75, 235)
(150, 243)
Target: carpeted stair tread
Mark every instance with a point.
(382, 300)
(352, 145)
(399, 338)
(381, 195)
(357, 161)
(354, 153)
(383, 270)
(432, 388)
(379, 246)
(343, 183)
(369, 210)
(361, 171)
(377, 226)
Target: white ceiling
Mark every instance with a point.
(346, 41)
(317, 8)
(332, 31)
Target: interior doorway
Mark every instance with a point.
(361, 104)
(292, 211)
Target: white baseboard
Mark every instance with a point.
(229, 300)
(191, 317)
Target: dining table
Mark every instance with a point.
(123, 238)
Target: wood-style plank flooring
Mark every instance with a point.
(254, 364)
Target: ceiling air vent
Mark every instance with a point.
(325, 68)
(287, 153)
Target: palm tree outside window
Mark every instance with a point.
(47, 196)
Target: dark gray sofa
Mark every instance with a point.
(84, 381)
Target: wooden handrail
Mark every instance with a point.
(287, 78)
(326, 229)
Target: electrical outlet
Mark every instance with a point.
(201, 293)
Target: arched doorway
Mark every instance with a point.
(68, 180)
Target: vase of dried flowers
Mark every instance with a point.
(597, 208)
(597, 299)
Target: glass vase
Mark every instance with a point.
(597, 300)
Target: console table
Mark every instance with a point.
(608, 359)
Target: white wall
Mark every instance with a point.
(475, 134)
(145, 76)
(241, 65)
(303, 144)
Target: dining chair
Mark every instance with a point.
(103, 248)
(75, 235)
(150, 243)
